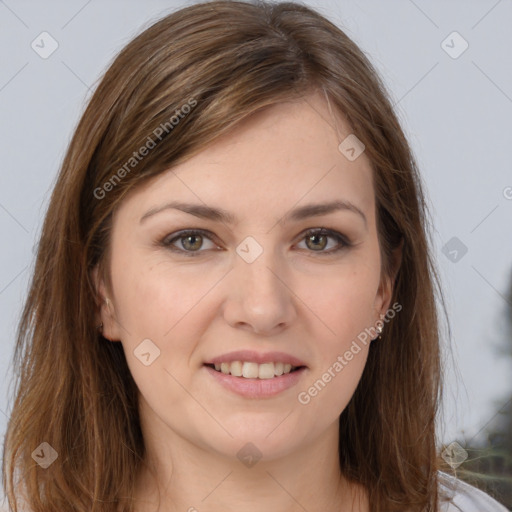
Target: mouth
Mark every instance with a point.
(252, 370)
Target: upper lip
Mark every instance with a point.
(257, 357)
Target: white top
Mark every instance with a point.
(464, 497)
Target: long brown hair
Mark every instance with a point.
(74, 391)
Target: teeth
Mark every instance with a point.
(266, 371)
(251, 370)
(236, 369)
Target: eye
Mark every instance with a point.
(317, 240)
(190, 241)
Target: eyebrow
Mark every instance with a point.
(221, 215)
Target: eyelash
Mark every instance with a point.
(167, 243)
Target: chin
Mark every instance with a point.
(264, 444)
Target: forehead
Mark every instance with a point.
(282, 157)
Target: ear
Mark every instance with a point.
(105, 312)
(385, 291)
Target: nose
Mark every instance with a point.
(259, 297)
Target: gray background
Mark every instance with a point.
(456, 112)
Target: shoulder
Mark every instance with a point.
(458, 496)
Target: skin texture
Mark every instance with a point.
(295, 298)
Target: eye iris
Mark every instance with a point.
(316, 236)
(187, 239)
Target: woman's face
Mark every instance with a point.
(250, 279)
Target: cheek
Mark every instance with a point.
(161, 305)
(170, 307)
(326, 392)
(341, 353)
(343, 307)
(155, 299)
(343, 303)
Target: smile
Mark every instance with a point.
(251, 370)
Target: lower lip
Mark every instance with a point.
(257, 388)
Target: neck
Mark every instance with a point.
(199, 480)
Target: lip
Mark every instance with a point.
(252, 356)
(257, 388)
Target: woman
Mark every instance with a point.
(233, 305)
